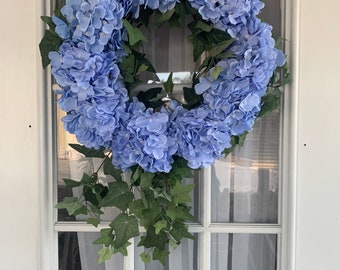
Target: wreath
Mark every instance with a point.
(95, 48)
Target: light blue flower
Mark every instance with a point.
(96, 100)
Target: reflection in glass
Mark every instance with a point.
(245, 184)
(243, 252)
(77, 252)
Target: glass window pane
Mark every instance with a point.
(77, 252)
(243, 252)
(184, 257)
(245, 184)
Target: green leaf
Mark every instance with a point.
(146, 179)
(148, 97)
(96, 210)
(271, 102)
(169, 85)
(179, 212)
(119, 195)
(161, 18)
(191, 97)
(49, 43)
(146, 258)
(149, 216)
(136, 207)
(104, 254)
(198, 46)
(106, 237)
(141, 68)
(122, 249)
(173, 244)
(162, 224)
(128, 64)
(151, 239)
(72, 205)
(90, 196)
(216, 50)
(48, 21)
(71, 183)
(181, 193)
(216, 72)
(135, 35)
(202, 26)
(93, 221)
(180, 231)
(88, 152)
(136, 173)
(145, 15)
(109, 169)
(87, 179)
(125, 227)
(160, 255)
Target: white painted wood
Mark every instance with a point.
(312, 229)
(318, 170)
(287, 240)
(20, 143)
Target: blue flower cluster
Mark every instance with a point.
(144, 140)
(96, 101)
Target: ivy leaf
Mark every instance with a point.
(106, 237)
(96, 210)
(160, 255)
(173, 244)
(146, 258)
(149, 216)
(71, 183)
(93, 221)
(72, 205)
(104, 254)
(136, 173)
(135, 35)
(119, 195)
(198, 46)
(122, 249)
(49, 43)
(90, 196)
(200, 25)
(181, 194)
(88, 152)
(148, 97)
(125, 228)
(48, 21)
(136, 207)
(169, 85)
(151, 239)
(271, 102)
(162, 224)
(87, 179)
(146, 179)
(109, 169)
(179, 213)
(179, 231)
(128, 64)
(161, 18)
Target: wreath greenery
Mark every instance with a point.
(95, 48)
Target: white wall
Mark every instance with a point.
(19, 133)
(318, 171)
(317, 73)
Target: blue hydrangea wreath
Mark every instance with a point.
(91, 47)
(100, 113)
